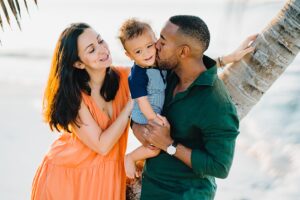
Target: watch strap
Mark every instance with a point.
(174, 144)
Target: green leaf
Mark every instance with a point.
(1, 23)
(15, 9)
(5, 11)
(25, 3)
(18, 7)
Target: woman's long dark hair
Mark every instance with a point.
(62, 96)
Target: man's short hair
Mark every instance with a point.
(193, 27)
(132, 28)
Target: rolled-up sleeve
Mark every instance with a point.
(219, 135)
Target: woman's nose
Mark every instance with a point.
(102, 49)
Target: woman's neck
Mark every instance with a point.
(96, 79)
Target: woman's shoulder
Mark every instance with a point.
(86, 98)
(124, 71)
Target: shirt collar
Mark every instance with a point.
(151, 67)
(208, 77)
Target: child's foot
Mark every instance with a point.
(130, 167)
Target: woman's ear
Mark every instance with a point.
(79, 65)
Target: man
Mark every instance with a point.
(198, 141)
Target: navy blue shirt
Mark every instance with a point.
(148, 82)
(138, 81)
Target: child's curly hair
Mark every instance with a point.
(132, 28)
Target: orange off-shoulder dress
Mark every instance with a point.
(72, 171)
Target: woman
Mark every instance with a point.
(87, 100)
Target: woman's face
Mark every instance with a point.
(92, 51)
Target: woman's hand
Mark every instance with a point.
(241, 51)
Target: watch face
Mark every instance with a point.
(171, 150)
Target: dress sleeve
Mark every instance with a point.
(123, 70)
(138, 81)
(87, 101)
(124, 73)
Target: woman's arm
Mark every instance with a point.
(239, 53)
(101, 141)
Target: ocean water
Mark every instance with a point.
(270, 134)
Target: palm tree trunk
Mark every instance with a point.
(247, 80)
(275, 49)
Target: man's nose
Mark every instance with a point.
(157, 45)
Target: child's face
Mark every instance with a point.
(142, 49)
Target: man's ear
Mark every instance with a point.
(128, 55)
(184, 51)
(79, 65)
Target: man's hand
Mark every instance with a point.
(157, 135)
(140, 132)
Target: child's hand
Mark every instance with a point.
(163, 120)
(130, 167)
(158, 120)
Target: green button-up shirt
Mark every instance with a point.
(204, 119)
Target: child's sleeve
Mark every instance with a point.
(138, 81)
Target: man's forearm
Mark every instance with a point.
(184, 154)
(217, 169)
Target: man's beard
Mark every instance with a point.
(167, 64)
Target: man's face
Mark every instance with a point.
(166, 47)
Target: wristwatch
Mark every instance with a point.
(171, 150)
